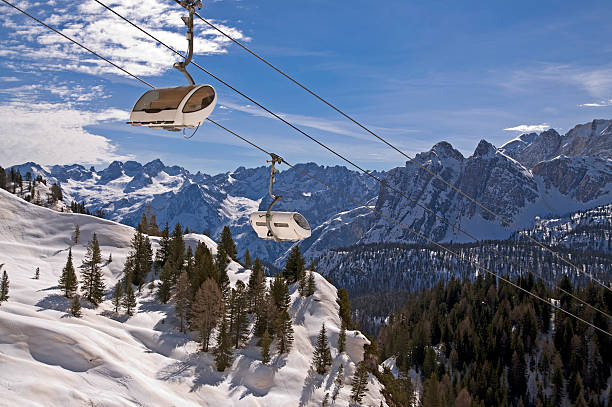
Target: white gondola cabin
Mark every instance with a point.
(174, 109)
(283, 226)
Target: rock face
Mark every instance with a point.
(544, 174)
(592, 139)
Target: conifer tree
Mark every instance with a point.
(117, 296)
(129, 299)
(282, 323)
(278, 291)
(37, 273)
(238, 319)
(203, 267)
(75, 307)
(310, 290)
(345, 308)
(246, 260)
(263, 315)
(322, 359)
(140, 258)
(359, 382)
(325, 402)
(110, 258)
(294, 268)
(4, 287)
(165, 285)
(206, 311)
(223, 351)
(181, 297)
(164, 246)
(223, 279)
(342, 338)
(338, 381)
(265, 348)
(76, 235)
(257, 286)
(92, 284)
(227, 242)
(68, 280)
(177, 249)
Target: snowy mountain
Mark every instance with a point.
(589, 139)
(50, 358)
(534, 175)
(553, 187)
(203, 202)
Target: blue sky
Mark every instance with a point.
(416, 72)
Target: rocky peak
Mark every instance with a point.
(484, 149)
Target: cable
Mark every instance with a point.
(382, 182)
(77, 43)
(430, 241)
(355, 200)
(413, 160)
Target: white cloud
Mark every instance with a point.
(54, 134)
(106, 34)
(597, 82)
(602, 103)
(529, 128)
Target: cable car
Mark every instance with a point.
(283, 227)
(279, 226)
(175, 108)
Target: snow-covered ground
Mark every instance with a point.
(48, 358)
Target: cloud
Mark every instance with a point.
(50, 133)
(602, 103)
(106, 34)
(597, 82)
(529, 128)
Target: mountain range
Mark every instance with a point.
(535, 175)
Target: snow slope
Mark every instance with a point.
(49, 358)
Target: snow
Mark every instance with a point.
(103, 359)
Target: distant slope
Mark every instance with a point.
(49, 358)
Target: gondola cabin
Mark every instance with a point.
(174, 109)
(284, 226)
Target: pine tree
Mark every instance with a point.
(92, 283)
(238, 318)
(227, 242)
(311, 284)
(75, 307)
(223, 279)
(294, 268)
(303, 286)
(4, 287)
(68, 280)
(164, 246)
(342, 338)
(129, 299)
(203, 268)
(110, 258)
(117, 296)
(257, 286)
(325, 402)
(264, 315)
(37, 273)
(247, 259)
(139, 260)
(338, 381)
(165, 285)
(284, 331)
(359, 382)
(181, 297)
(223, 351)
(206, 310)
(265, 348)
(322, 359)
(77, 234)
(177, 252)
(345, 308)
